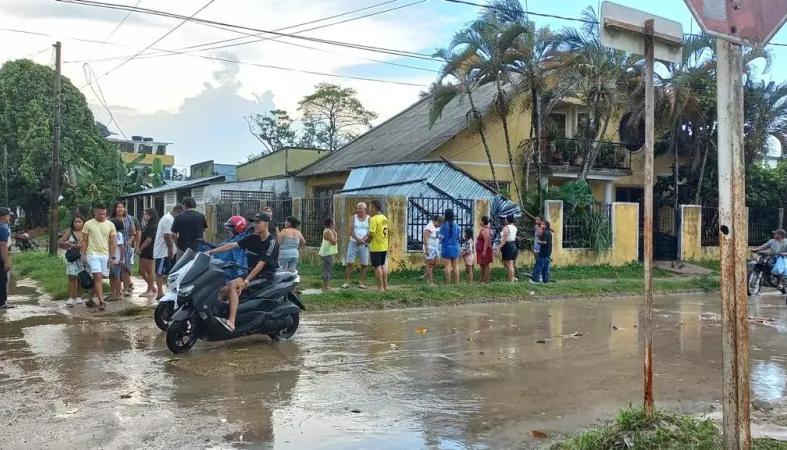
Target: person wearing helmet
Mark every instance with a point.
(236, 225)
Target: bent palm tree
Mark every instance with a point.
(441, 93)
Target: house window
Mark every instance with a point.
(556, 125)
(327, 192)
(198, 194)
(582, 124)
(161, 149)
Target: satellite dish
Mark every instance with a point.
(632, 135)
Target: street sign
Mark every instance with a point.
(746, 22)
(623, 29)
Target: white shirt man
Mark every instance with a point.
(164, 247)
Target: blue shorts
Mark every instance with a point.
(163, 266)
(449, 251)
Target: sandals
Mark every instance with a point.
(90, 303)
(102, 306)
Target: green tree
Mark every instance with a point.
(490, 43)
(273, 129)
(26, 117)
(335, 115)
(441, 93)
(765, 115)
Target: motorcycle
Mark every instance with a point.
(270, 307)
(24, 242)
(759, 271)
(166, 304)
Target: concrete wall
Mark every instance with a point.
(328, 180)
(279, 163)
(625, 237)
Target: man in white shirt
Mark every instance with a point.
(164, 248)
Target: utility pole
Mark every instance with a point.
(5, 176)
(55, 178)
(733, 240)
(650, 44)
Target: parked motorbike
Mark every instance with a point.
(166, 304)
(24, 242)
(759, 272)
(270, 307)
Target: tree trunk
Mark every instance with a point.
(536, 120)
(477, 114)
(702, 174)
(502, 113)
(595, 147)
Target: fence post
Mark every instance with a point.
(553, 211)
(297, 207)
(210, 218)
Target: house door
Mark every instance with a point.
(665, 235)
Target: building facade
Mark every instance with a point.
(145, 151)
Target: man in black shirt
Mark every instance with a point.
(273, 227)
(541, 270)
(189, 226)
(262, 254)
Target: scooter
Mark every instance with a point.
(270, 307)
(166, 304)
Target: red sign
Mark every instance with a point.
(747, 22)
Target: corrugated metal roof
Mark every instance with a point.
(405, 136)
(175, 185)
(416, 179)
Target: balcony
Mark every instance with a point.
(566, 153)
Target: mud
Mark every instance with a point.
(475, 376)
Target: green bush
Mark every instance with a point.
(48, 271)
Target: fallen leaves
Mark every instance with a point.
(422, 330)
(543, 341)
(767, 321)
(127, 395)
(573, 335)
(535, 434)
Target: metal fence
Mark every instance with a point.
(709, 231)
(576, 230)
(761, 222)
(281, 209)
(314, 211)
(421, 210)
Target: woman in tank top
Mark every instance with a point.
(290, 241)
(508, 247)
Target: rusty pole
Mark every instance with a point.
(733, 237)
(54, 189)
(648, 219)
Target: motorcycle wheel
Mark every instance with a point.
(755, 283)
(163, 315)
(181, 336)
(287, 333)
(771, 280)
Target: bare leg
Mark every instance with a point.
(159, 286)
(510, 270)
(384, 270)
(363, 274)
(455, 267)
(72, 287)
(98, 286)
(469, 271)
(447, 269)
(348, 271)
(234, 297)
(378, 274)
(125, 276)
(429, 272)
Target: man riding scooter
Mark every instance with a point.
(262, 253)
(777, 247)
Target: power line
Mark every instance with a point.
(122, 21)
(370, 48)
(157, 40)
(90, 76)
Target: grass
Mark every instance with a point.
(634, 429)
(48, 271)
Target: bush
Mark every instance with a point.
(48, 271)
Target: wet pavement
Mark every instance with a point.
(474, 376)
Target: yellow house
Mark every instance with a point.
(145, 151)
(280, 163)
(407, 136)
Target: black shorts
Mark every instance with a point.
(378, 258)
(163, 266)
(509, 251)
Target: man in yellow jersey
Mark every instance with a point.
(378, 243)
(98, 251)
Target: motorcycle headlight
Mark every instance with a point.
(185, 291)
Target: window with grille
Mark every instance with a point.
(228, 195)
(198, 194)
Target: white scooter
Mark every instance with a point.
(166, 304)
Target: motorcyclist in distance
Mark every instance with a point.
(777, 247)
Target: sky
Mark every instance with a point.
(198, 103)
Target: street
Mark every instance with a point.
(475, 376)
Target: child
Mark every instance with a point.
(115, 270)
(467, 253)
(327, 250)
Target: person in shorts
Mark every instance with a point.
(358, 245)
(5, 256)
(116, 271)
(98, 243)
(328, 248)
(432, 247)
(164, 248)
(378, 244)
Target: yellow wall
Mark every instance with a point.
(625, 238)
(328, 180)
(690, 244)
(279, 163)
(167, 160)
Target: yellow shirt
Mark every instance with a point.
(98, 234)
(378, 228)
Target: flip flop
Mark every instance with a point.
(102, 306)
(226, 324)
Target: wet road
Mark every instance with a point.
(478, 376)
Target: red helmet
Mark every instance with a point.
(236, 224)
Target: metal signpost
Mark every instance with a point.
(655, 37)
(735, 23)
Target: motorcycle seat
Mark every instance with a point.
(284, 276)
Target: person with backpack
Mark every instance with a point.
(450, 234)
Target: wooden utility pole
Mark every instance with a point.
(54, 192)
(733, 240)
(650, 44)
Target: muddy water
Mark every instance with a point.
(479, 376)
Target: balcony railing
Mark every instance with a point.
(571, 153)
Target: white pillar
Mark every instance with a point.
(544, 181)
(609, 192)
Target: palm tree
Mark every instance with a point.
(491, 43)
(599, 76)
(765, 106)
(441, 94)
